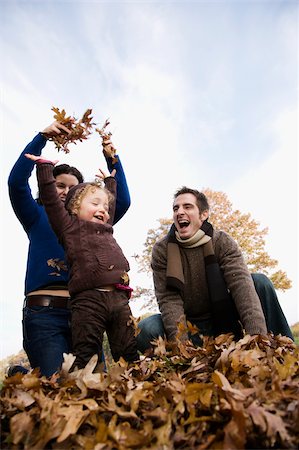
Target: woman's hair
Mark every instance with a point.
(64, 169)
(69, 170)
(77, 193)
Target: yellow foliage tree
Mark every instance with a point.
(242, 227)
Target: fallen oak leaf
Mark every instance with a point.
(269, 423)
(68, 361)
(20, 426)
(289, 366)
(235, 430)
(160, 346)
(140, 394)
(21, 399)
(199, 392)
(163, 433)
(224, 384)
(234, 436)
(31, 380)
(74, 416)
(126, 437)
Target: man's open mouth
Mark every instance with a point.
(183, 223)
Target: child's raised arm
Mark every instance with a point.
(59, 217)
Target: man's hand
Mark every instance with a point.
(55, 128)
(40, 159)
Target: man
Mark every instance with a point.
(200, 275)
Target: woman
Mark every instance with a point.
(46, 316)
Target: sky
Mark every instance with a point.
(198, 93)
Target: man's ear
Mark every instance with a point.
(204, 215)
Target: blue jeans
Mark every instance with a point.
(152, 327)
(46, 336)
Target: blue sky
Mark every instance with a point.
(198, 93)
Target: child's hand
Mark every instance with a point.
(102, 175)
(39, 159)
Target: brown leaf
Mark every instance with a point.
(74, 416)
(20, 425)
(269, 423)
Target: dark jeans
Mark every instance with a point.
(46, 336)
(152, 327)
(275, 318)
(94, 312)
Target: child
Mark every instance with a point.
(99, 283)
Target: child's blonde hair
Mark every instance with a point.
(73, 204)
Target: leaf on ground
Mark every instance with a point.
(222, 395)
(20, 425)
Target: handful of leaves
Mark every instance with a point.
(109, 149)
(79, 129)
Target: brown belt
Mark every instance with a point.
(47, 300)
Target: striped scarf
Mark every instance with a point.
(224, 313)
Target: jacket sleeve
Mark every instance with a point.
(22, 201)
(111, 185)
(240, 284)
(123, 200)
(59, 217)
(170, 301)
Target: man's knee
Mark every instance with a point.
(261, 281)
(150, 328)
(275, 318)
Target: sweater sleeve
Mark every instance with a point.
(240, 284)
(59, 217)
(110, 184)
(170, 301)
(22, 201)
(123, 200)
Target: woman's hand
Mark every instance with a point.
(55, 128)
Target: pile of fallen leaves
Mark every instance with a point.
(223, 395)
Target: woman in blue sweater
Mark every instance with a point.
(46, 316)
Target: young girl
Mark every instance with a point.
(98, 283)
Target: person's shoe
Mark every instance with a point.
(13, 370)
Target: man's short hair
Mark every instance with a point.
(201, 199)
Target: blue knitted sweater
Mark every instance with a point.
(46, 267)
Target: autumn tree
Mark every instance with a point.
(241, 227)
